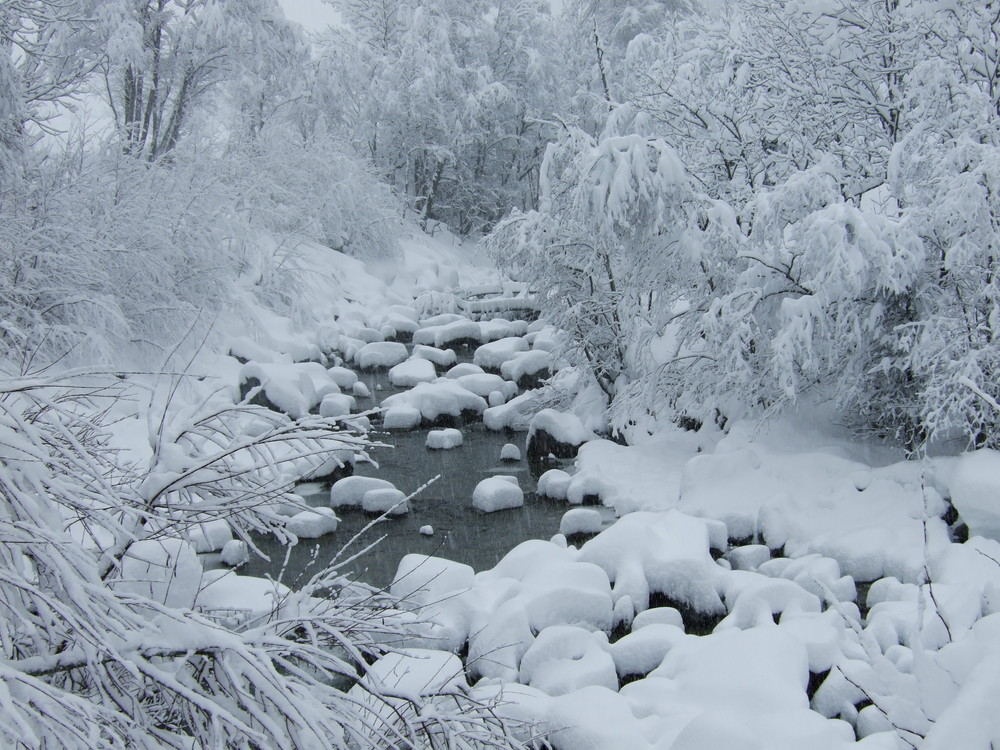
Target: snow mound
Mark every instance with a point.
(210, 536)
(974, 483)
(440, 336)
(483, 384)
(441, 398)
(464, 368)
(401, 417)
(386, 500)
(496, 493)
(381, 354)
(552, 431)
(554, 484)
(407, 374)
(336, 405)
(344, 378)
(566, 658)
(312, 523)
(525, 364)
(294, 388)
(580, 521)
(235, 553)
(440, 357)
(348, 492)
(491, 356)
(510, 452)
(444, 439)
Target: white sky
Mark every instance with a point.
(314, 15)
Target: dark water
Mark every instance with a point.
(461, 533)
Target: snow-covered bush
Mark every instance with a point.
(102, 647)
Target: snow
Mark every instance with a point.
(382, 354)
(312, 523)
(426, 530)
(526, 363)
(401, 417)
(492, 356)
(412, 371)
(483, 384)
(564, 427)
(580, 521)
(336, 404)
(510, 452)
(440, 357)
(565, 658)
(496, 493)
(349, 491)
(440, 336)
(974, 482)
(211, 536)
(387, 500)
(554, 483)
(164, 570)
(443, 397)
(444, 439)
(464, 368)
(235, 553)
(294, 388)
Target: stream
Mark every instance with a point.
(461, 533)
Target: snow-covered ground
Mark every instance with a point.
(774, 586)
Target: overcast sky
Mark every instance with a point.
(314, 15)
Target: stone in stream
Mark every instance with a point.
(497, 493)
(557, 433)
(510, 452)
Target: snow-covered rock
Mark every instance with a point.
(401, 417)
(526, 364)
(483, 384)
(407, 374)
(235, 553)
(440, 357)
(496, 493)
(464, 368)
(385, 500)
(165, 570)
(554, 483)
(210, 536)
(312, 523)
(292, 388)
(381, 354)
(348, 492)
(336, 405)
(580, 521)
(510, 452)
(444, 439)
(556, 433)
(975, 491)
(492, 356)
(443, 397)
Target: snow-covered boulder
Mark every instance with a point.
(457, 332)
(210, 536)
(440, 357)
(566, 658)
(492, 356)
(975, 492)
(496, 493)
(464, 368)
(348, 492)
(336, 405)
(483, 384)
(556, 433)
(294, 389)
(381, 354)
(401, 417)
(407, 374)
(235, 553)
(385, 500)
(443, 397)
(580, 521)
(554, 483)
(444, 439)
(312, 523)
(510, 452)
(526, 368)
(343, 377)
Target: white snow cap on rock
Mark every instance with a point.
(312, 523)
(407, 374)
(385, 500)
(497, 493)
(348, 492)
(444, 439)
(493, 355)
(510, 452)
(381, 354)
